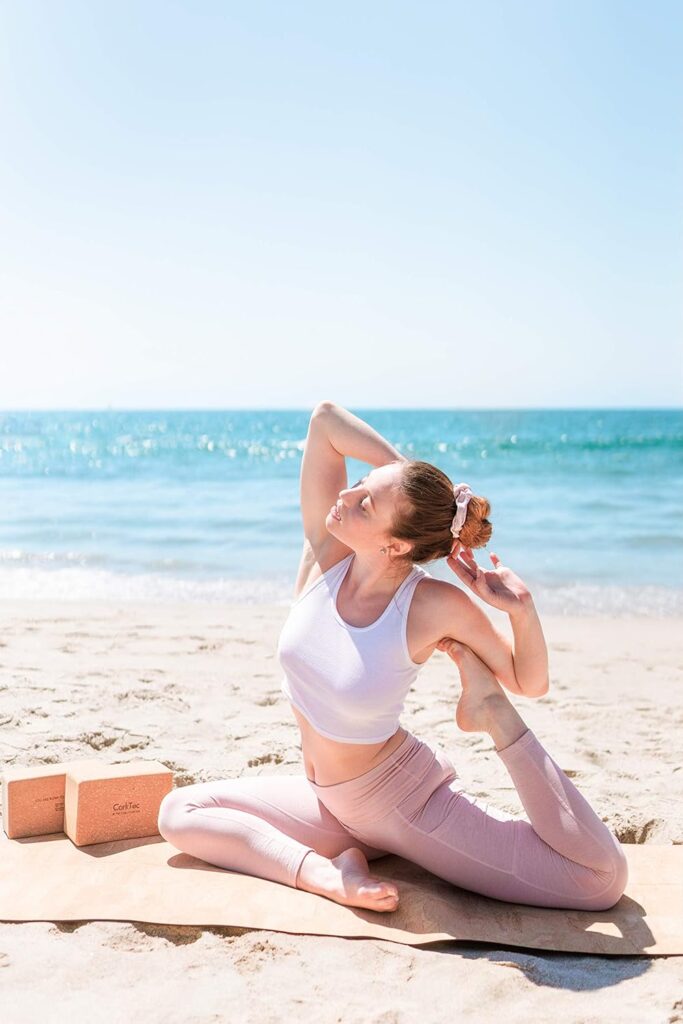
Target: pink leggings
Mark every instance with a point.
(413, 805)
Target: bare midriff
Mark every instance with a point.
(328, 762)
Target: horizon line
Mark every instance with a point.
(374, 408)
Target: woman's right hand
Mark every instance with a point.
(500, 587)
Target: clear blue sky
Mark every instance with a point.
(216, 204)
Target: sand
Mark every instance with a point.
(197, 687)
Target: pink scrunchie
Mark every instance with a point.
(462, 494)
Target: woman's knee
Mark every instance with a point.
(620, 877)
(607, 897)
(172, 813)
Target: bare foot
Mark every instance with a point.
(346, 879)
(483, 705)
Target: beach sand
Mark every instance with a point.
(197, 687)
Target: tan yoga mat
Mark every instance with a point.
(47, 878)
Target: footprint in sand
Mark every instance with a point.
(181, 775)
(253, 762)
(97, 740)
(636, 832)
(139, 743)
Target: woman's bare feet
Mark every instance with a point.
(483, 705)
(346, 879)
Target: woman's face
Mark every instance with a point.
(367, 509)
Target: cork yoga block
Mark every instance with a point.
(104, 803)
(33, 797)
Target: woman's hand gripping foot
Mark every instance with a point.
(346, 879)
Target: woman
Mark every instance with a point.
(366, 616)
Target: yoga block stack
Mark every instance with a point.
(33, 798)
(90, 801)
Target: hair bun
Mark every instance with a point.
(476, 530)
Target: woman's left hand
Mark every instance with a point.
(499, 587)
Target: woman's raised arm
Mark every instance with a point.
(352, 436)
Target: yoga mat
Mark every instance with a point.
(47, 878)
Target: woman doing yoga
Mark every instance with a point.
(365, 617)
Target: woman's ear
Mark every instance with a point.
(401, 548)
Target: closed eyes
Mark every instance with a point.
(362, 505)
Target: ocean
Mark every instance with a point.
(586, 505)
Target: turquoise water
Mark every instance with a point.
(586, 504)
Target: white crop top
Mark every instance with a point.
(350, 682)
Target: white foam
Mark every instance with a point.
(71, 584)
(83, 584)
(616, 601)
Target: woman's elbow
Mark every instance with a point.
(537, 691)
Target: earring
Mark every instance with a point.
(383, 550)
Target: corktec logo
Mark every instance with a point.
(128, 806)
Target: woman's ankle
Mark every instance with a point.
(505, 725)
(305, 867)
